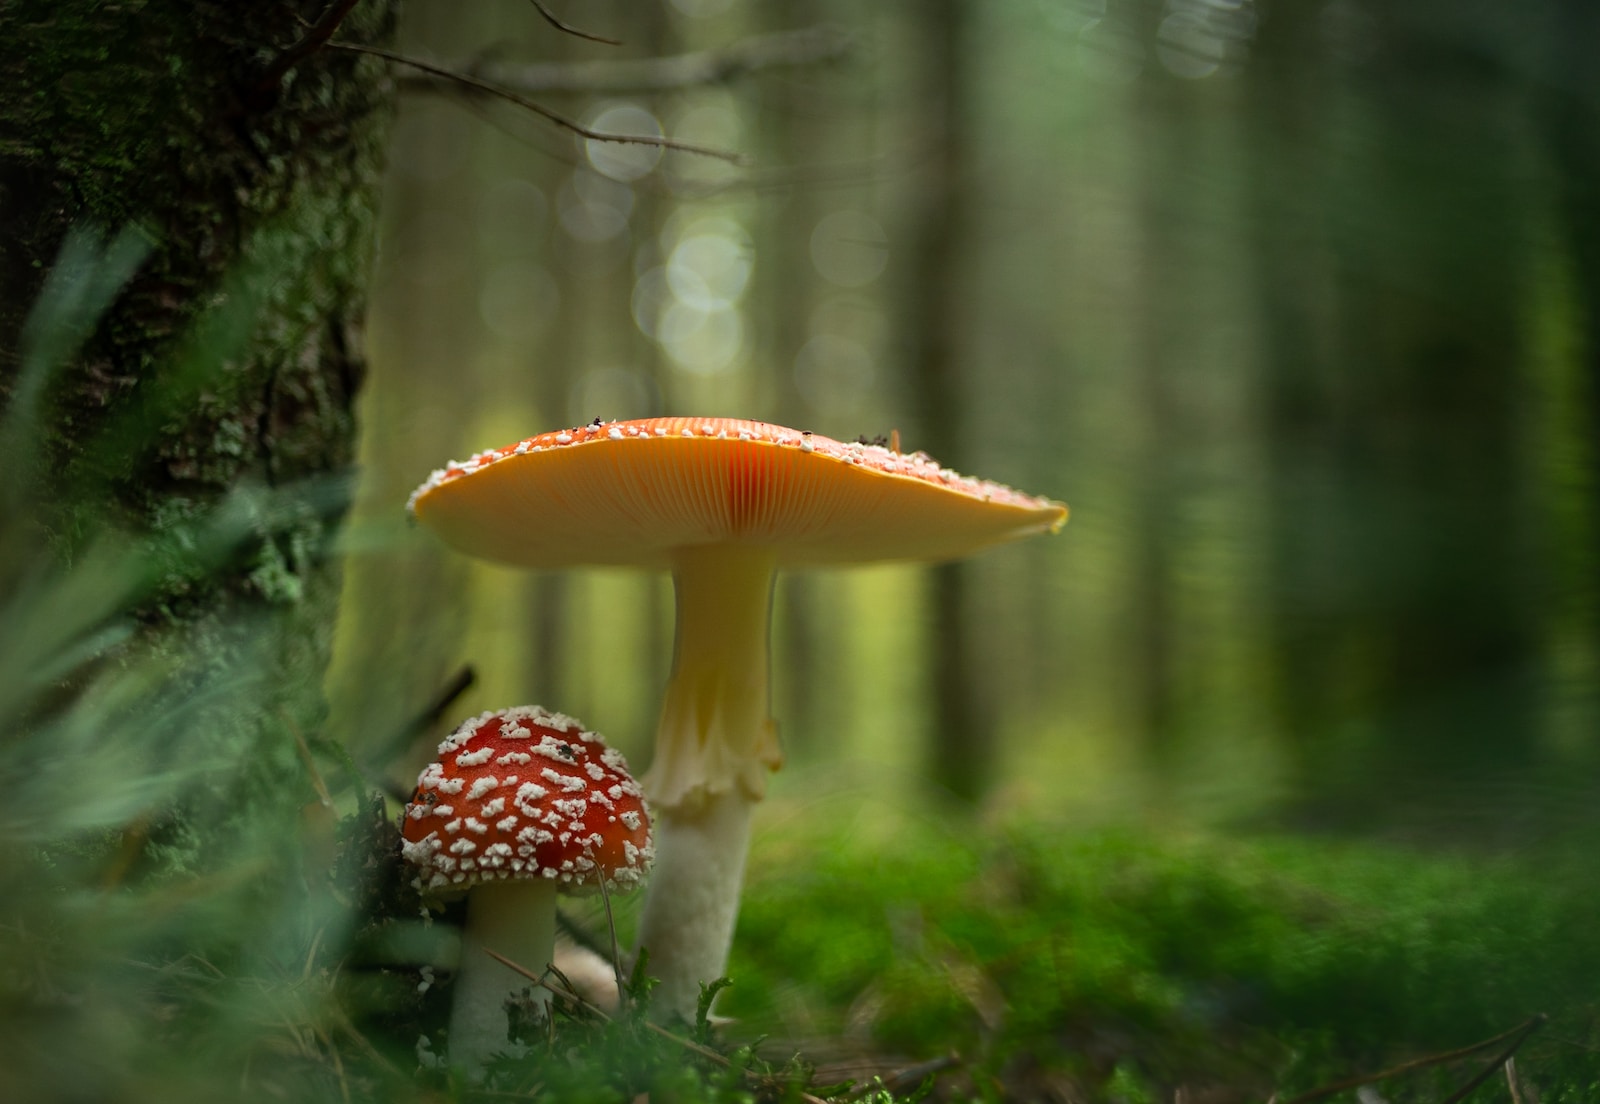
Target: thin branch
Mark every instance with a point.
(568, 28)
(780, 50)
(1499, 1060)
(315, 38)
(844, 174)
(398, 742)
(616, 952)
(307, 761)
(526, 104)
(903, 1081)
(1519, 1033)
(1513, 1082)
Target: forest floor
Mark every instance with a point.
(884, 962)
(896, 961)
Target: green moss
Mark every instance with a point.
(1267, 964)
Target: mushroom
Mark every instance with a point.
(723, 504)
(522, 803)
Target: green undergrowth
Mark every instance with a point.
(1133, 963)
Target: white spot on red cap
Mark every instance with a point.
(568, 811)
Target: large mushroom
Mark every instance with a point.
(522, 803)
(722, 504)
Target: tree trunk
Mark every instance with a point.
(1572, 135)
(961, 746)
(230, 360)
(1391, 255)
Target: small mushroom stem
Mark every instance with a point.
(715, 745)
(515, 917)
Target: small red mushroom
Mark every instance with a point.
(521, 804)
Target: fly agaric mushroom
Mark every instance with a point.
(522, 803)
(723, 504)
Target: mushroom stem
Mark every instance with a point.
(693, 900)
(515, 918)
(715, 744)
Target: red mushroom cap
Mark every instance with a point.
(526, 793)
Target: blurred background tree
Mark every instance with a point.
(1289, 302)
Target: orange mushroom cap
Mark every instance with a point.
(526, 793)
(629, 493)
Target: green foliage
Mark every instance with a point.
(1119, 957)
(153, 875)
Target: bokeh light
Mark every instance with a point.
(702, 342)
(709, 268)
(625, 161)
(594, 208)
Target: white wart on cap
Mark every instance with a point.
(527, 793)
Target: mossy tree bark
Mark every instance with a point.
(254, 184)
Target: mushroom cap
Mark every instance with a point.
(526, 793)
(631, 493)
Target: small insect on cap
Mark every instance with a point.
(632, 493)
(526, 793)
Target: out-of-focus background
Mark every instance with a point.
(1294, 304)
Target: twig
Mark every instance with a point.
(568, 28)
(307, 761)
(468, 81)
(315, 38)
(908, 1078)
(843, 174)
(426, 718)
(701, 68)
(1500, 1060)
(1520, 1032)
(459, 684)
(616, 953)
(1512, 1082)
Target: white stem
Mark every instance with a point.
(515, 917)
(715, 745)
(693, 900)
